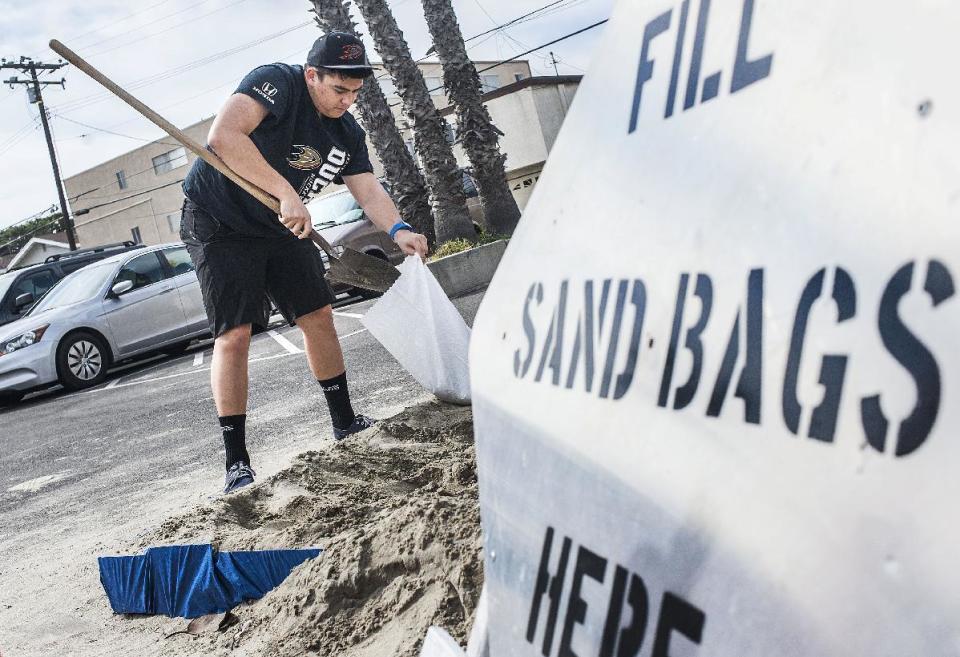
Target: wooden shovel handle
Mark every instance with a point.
(207, 156)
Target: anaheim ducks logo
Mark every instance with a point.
(305, 158)
(352, 52)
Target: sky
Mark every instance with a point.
(183, 58)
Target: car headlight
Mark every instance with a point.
(23, 340)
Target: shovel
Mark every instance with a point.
(350, 267)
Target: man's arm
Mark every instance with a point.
(230, 139)
(378, 205)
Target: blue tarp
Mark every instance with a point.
(194, 580)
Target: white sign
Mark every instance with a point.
(716, 378)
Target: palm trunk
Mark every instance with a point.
(439, 164)
(407, 187)
(474, 128)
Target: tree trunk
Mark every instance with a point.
(407, 187)
(474, 128)
(439, 164)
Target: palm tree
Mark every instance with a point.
(406, 183)
(429, 129)
(474, 128)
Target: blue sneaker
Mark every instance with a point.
(360, 422)
(239, 475)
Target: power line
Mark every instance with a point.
(110, 132)
(147, 24)
(92, 99)
(504, 61)
(518, 19)
(119, 20)
(36, 230)
(110, 184)
(550, 43)
(166, 29)
(153, 215)
(19, 135)
(129, 196)
(35, 215)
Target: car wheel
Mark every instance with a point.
(82, 360)
(10, 397)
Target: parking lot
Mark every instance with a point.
(84, 473)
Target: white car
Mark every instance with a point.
(122, 306)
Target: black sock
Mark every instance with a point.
(338, 400)
(235, 438)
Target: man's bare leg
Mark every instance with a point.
(322, 344)
(228, 371)
(228, 378)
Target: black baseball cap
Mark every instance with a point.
(339, 51)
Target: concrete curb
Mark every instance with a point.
(469, 270)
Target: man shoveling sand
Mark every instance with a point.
(287, 130)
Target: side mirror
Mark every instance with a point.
(121, 287)
(22, 301)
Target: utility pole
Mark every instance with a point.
(554, 60)
(29, 66)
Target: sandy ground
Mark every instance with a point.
(395, 510)
(81, 479)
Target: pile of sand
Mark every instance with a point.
(395, 510)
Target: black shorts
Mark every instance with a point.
(238, 272)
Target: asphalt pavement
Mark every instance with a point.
(88, 471)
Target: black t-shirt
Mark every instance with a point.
(306, 148)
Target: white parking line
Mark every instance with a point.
(350, 315)
(198, 359)
(115, 384)
(286, 344)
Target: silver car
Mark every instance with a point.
(117, 308)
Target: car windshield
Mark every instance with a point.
(79, 286)
(6, 280)
(334, 209)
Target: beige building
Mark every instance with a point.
(137, 196)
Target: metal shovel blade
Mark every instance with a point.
(361, 270)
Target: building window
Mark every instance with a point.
(449, 133)
(121, 179)
(135, 231)
(434, 85)
(517, 77)
(489, 82)
(173, 221)
(170, 160)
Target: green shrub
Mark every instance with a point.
(461, 244)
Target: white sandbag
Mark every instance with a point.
(439, 644)
(415, 321)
